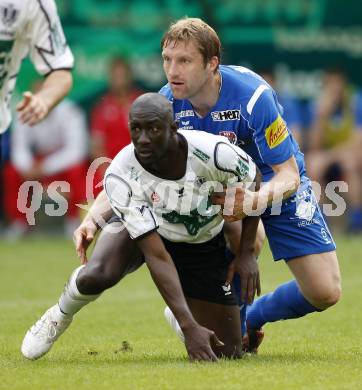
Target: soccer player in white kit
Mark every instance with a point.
(159, 187)
(32, 27)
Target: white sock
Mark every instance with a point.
(171, 319)
(71, 300)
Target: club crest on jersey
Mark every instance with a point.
(8, 14)
(230, 135)
(276, 133)
(227, 115)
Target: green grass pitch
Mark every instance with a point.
(122, 341)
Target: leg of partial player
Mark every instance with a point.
(114, 255)
(317, 287)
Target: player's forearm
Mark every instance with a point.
(284, 183)
(56, 85)
(100, 210)
(165, 276)
(250, 224)
(248, 235)
(280, 187)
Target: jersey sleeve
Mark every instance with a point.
(233, 164)
(48, 48)
(128, 203)
(271, 134)
(166, 91)
(291, 113)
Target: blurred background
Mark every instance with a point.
(310, 51)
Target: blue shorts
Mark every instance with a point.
(300, 228)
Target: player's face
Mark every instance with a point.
(185, 69)
(151, 134)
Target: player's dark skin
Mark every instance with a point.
(163, 152)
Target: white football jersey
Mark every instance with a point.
(179, 209)
(28, 27)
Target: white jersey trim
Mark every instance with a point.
(255, 97)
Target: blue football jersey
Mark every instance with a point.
(248, 113)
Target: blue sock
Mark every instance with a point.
(243, 307)
(237, 288)
(284, 303)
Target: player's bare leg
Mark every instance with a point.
(317, 286)
(114, 255)
(224, 320)
(318, 278)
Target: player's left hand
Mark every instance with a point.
(32, 109)
(247, 267)
(83, 237)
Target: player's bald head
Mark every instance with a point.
(152, 128)
(151, 105)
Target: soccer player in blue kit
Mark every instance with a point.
(236, 102)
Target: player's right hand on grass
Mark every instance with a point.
(83, 237)
(199, 341)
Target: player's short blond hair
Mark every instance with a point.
(195, 29)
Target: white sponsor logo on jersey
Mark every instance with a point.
(227, 115)
(183, 114)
